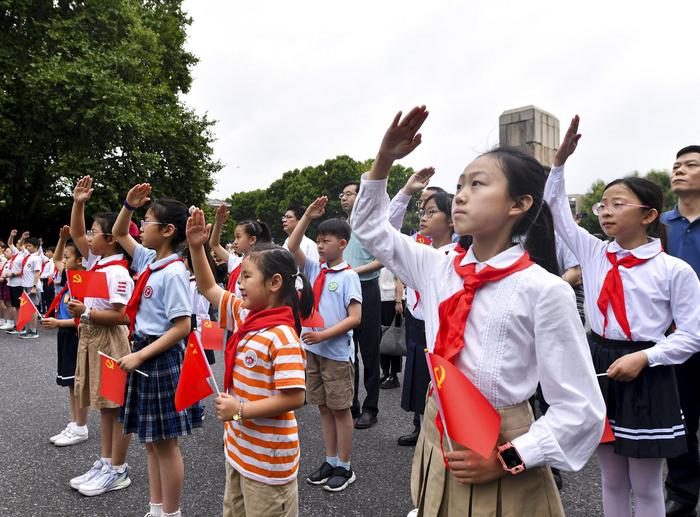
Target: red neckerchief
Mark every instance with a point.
(613, 294)
(454, 311)
(56, 301)
(233, 279)
(120, 262)
(133, 306)
(320, 282)
(255, 320)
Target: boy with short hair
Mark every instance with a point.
(31, 283)
(330, 350)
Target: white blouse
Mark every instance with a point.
(657, 292)
(521, 330)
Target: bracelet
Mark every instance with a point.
(128, 206)
(239, 416)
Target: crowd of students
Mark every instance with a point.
(489, 281)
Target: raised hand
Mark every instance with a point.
(568, 145)
(83, 190)
(418, 180)
(197, 230)
(25, 235)
(221, 215)
(317, 208)
(138, 195)
(402, 137)
(13, 233)
(64, 232)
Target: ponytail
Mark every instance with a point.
(258, 229)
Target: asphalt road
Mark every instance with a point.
(34, 474)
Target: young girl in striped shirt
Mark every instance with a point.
(264, 374)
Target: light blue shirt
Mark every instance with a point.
(357, 255)
(339, 291)
(166, 295)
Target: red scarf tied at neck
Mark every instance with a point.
(454, 311)
(255, 320)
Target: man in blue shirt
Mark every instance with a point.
(683, 227)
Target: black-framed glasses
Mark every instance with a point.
(428, 214)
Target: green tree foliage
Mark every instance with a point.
(301, 186)
(91, 87)
(595, 193)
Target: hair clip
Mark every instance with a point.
(298, 281)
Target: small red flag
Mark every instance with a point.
(315, 320)
(608, 435)
(88, 284)
(469, 417)
(26, 311)
(192, 386)
(212, 335)
(112, 381)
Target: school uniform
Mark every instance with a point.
(47, 286)
(200, 312)
(308, 246)
(330, 366)
(149, 407)
(30, 267)
(17, 264)
(4, 274)
(233, 267)
(521, 330)
(94, 338)
(658, 289)
(66, 345)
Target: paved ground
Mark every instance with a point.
(34, 474)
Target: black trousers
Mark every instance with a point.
(390, 364)
(366, 338)
(683, 480)
(47, 294)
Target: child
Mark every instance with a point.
(101, 329)
(630, 308)
(264, 379)
(31, 284)
(6, 310)
(330, 351)
(200, 305)
(20, 256)
(160, 318)
(247, 233)
(67, 342)
(47, 273)
(504, 321)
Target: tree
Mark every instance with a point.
(89, 87)
(300, 187)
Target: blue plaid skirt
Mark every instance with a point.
(149, 406)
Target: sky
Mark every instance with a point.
(292, 84)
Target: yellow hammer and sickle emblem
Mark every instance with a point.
(207, 324)
(22, 301)
(439, 375)
(77, 279)
(109, 364)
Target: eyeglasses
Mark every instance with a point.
(285, 217)
(343, 195)
(428, 214)
(90, 233)
(144, 223)
(613, 207)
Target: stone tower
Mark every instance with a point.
(532, 130)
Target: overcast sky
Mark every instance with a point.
(294, 83)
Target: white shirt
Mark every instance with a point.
(16, 281)
(657, 292)
(308, 246)
(30, 269)
(387, 286)
(119, 282)
(521, 330)
(47, 269)
(233, 262)
(200, 305)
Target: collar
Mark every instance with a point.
(448, 247)
(337, 267)
(165, 260)
(503, 260)
(111, 258)
(645, 251)
(672, 215)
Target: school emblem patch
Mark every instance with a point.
(148, 292)
(250, 359)
(333, 286)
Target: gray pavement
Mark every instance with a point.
(34, 474)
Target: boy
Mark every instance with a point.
(330, 351)
(31, 283)
(17, 263)
(47, 272)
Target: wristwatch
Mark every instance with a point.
(85, 316)
(510, 459)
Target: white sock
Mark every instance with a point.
(80, 429)
(332, 460)
(174, 514)
(71, 425)
(156, 509)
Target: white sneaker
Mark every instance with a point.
(413, 513)
(84, 478)
(106, 481)
(7, 325)
(57, 436)
(71, 437)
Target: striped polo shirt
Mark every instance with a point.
(267, 361)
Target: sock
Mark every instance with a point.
(120, 468)
(174, 514)
(156, 509)
(332, 460)
(80, 429)
(72, 424)
(344, 464)
(106, 461)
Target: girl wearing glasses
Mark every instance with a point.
(634, 292)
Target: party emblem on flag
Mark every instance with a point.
(112, 381)
(212, 336)
(439, 376)
(25, 312)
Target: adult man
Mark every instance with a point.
(290, 219)
(368, 334)
(683, 226)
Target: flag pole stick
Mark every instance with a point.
(437, 399)
(211, 374)
(117, 360)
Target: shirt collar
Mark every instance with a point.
(645, 251)
(111, 258)
(503, 260)
(164, 260)
(447, 247)
(673, 214)
(337, 267)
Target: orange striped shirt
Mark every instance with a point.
(267, 361)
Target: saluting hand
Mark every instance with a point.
(83, 190)
(197, 230)
(569, 144)
(317, 208)
(402, 137)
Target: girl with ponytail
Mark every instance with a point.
(497, 313)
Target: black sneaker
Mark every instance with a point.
(321, 474)
(340, 479)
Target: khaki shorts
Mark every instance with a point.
(245, 497)
(328, 382)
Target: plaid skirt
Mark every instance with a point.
(4, 291)
(149, 406)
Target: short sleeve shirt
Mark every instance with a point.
(357, 255)
(31, 267)
(683, 238)
(119, 282)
